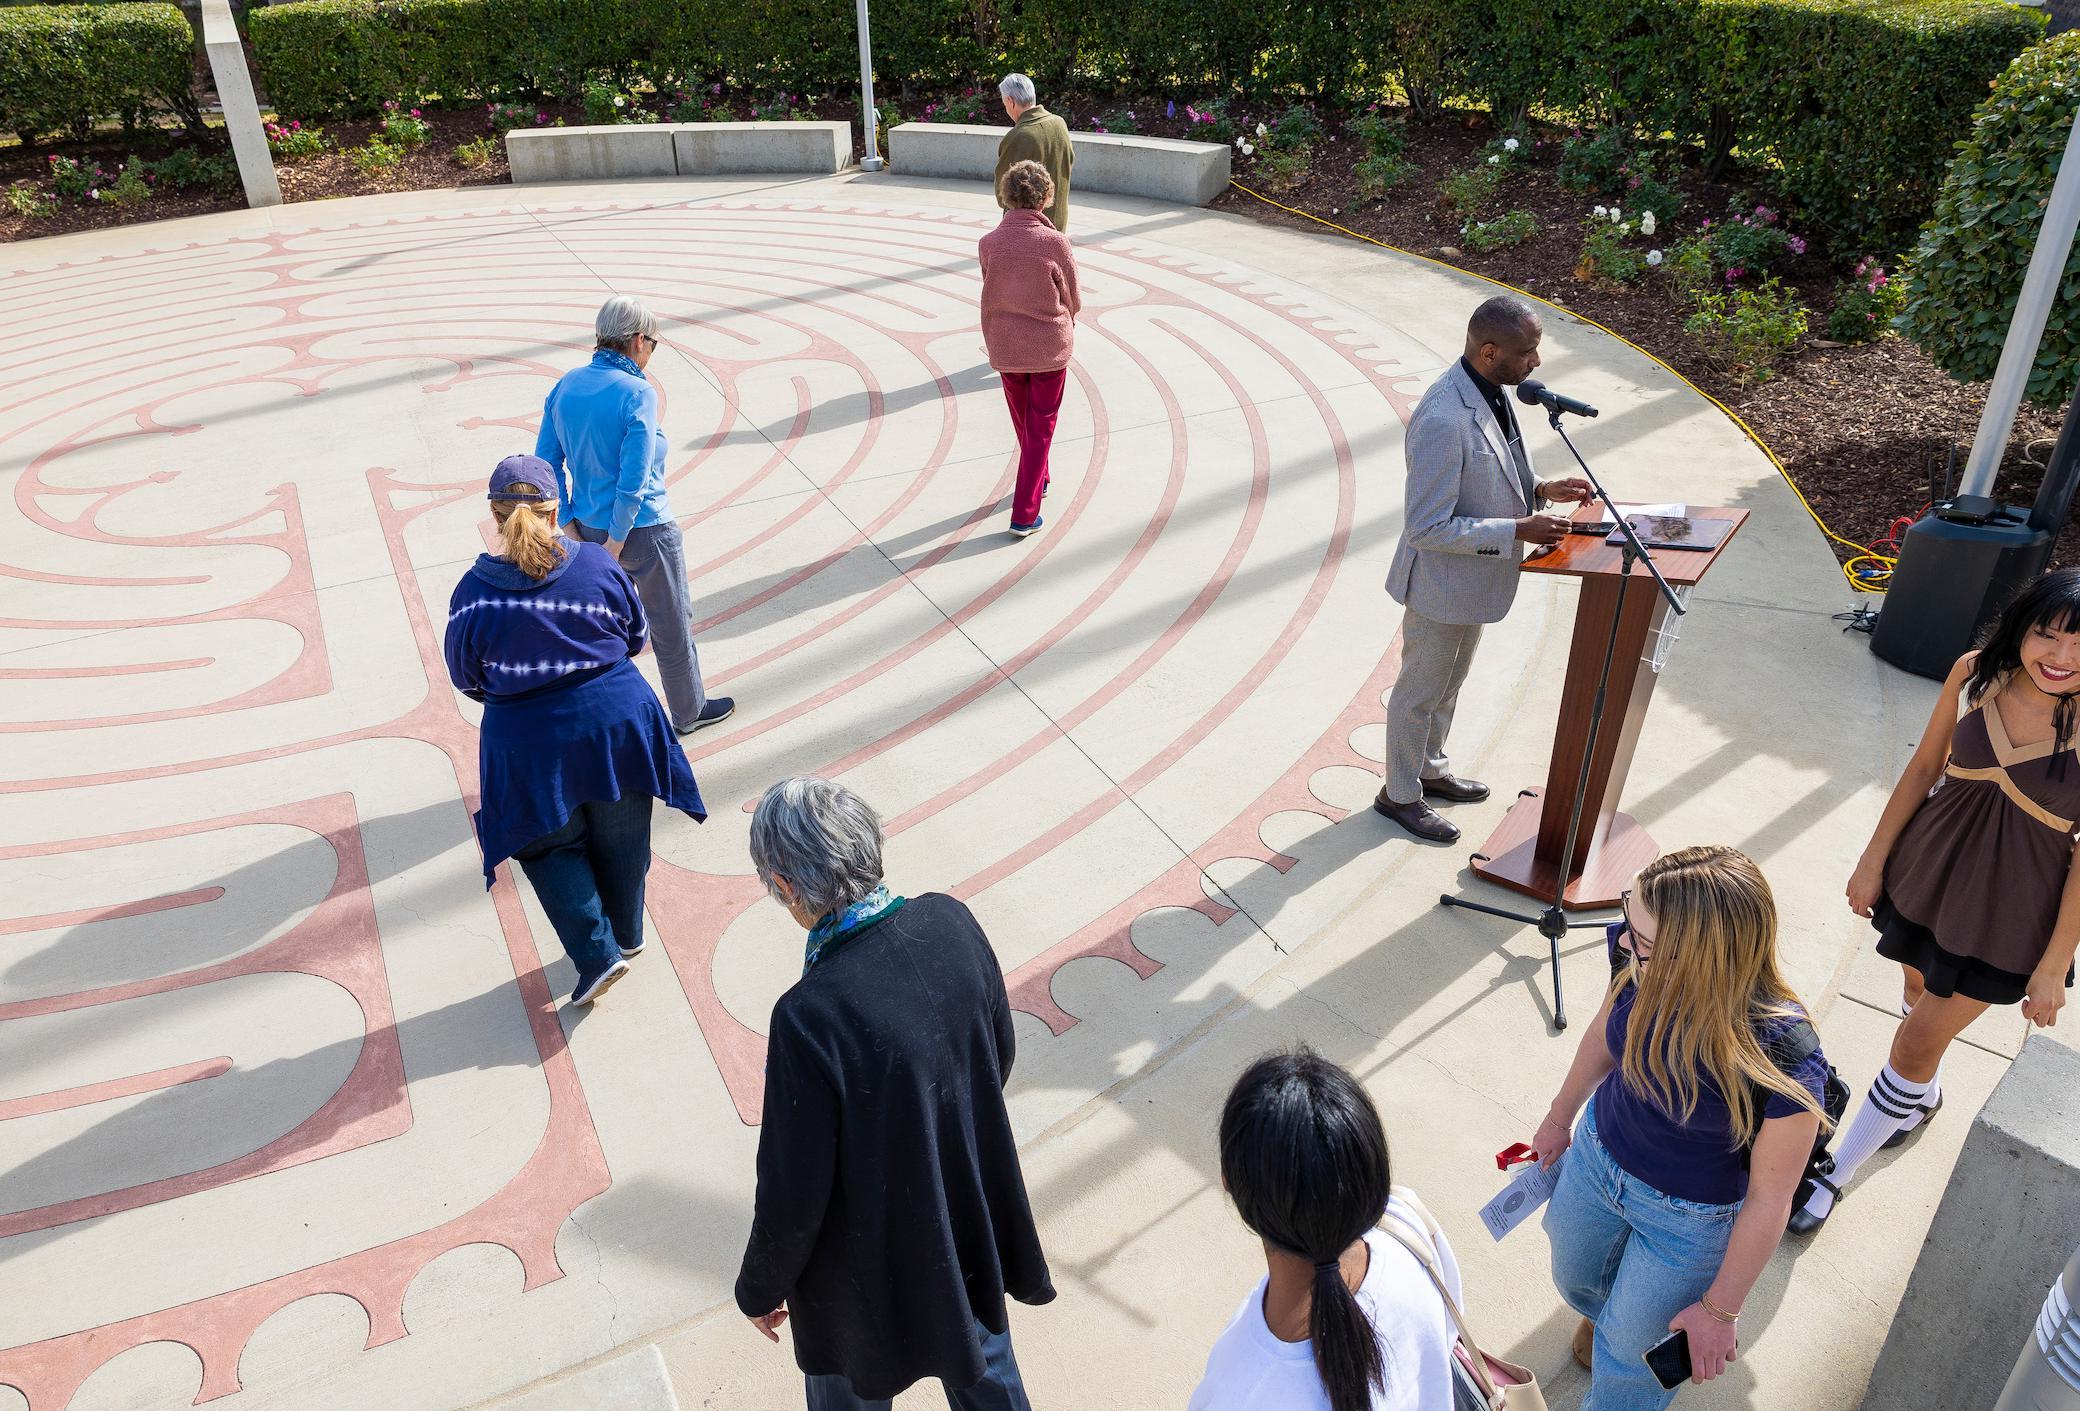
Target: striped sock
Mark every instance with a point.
(1890, 1105)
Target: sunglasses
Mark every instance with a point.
(1641, 947)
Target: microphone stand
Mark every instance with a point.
(1552, 922)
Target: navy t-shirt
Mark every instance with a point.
(1700, 1159)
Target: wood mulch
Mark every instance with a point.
(1868, 432)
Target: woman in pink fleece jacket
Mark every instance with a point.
(1029, 308)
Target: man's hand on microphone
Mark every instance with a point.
(1542, 529)
(1572, 489)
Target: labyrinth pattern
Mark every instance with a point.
(246, 962)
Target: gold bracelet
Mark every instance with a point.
(1704, 1301)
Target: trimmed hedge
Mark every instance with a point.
(64, 66)
(1855, 103)
(1966, 274)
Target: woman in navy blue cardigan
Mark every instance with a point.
(574, 744)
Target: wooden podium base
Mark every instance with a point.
(1510, 857)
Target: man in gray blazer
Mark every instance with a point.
(1473, 503)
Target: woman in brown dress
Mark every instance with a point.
(1969, 877)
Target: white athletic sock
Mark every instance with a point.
(1887, 1107)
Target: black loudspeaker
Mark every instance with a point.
(1958, 567)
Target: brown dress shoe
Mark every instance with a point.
(1452, 789)
(1584, 1341)
(1418, 818)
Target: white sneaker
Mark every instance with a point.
(600, 983)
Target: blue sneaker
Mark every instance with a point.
(1022, 530)
(590, 990)
(717, 710)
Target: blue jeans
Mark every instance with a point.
(1001, 1388)
(654, 555)
(1629, 1258)
(588, 875)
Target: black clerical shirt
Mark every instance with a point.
(1498, 402)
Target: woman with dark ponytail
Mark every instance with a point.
(1345, 1319)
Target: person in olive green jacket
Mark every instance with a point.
(1036, 136)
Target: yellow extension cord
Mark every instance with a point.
(1864, 554)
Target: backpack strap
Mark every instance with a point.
(1793, 1045)
(1422, 1244)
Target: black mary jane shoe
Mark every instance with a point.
(1803, 1222)
(1928, 1114)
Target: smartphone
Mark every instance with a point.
(1669, 1360)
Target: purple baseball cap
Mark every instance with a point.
(522, 470)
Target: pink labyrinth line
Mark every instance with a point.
(326, 324)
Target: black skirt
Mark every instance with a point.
(1945, 972)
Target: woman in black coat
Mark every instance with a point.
(891, 1219)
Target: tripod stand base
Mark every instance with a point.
(1616, 854)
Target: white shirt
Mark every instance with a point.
(1250, 1369)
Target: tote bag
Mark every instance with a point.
(1479, 1382)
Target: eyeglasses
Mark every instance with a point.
(1641, 946)
(649, 338)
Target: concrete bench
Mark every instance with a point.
(677, 149)
(2009, 1219)
(1160, 168)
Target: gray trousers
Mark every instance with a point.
(1435, 657)
(655, 556)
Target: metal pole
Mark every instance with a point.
(870, 119)
(2033, 307)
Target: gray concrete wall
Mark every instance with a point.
(590, 153)
(2007, 1224)
(729, 148)
(1159, 168)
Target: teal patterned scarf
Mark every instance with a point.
(834, 930)
(610, 357)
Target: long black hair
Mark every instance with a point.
(2052, 603)
(1304, 1157)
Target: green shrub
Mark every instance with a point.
(1467, 191)
(404, 128)
(1751, 242)
(1605, 253)
(1743, 333)
(504, 117)
(1966, 272)
(27, 202)
(375, 157)
(476, 153)
(1688, 267)
(605, 104)
(1847, 108)
(1590, 163)
(1513, 228)
(295, 141)
(1120, 120)
(1380, 172)
(129, 188)
(970, 106)
(786, 107)
(64, 66)
(76, 180)
(1865, 304)
(187, 168)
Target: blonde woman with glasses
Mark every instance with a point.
(1675, 1183)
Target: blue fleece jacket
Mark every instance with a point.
(601, 422)
(510, 635)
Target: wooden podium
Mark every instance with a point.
(1524, 852)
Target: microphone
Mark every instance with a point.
(1537, 394)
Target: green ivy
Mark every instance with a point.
(62, 67)
(1966, 273)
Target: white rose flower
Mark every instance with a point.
(1654, 258)
(1261, 129)
(1616, 215)
(1509, 144)
(1602, 211)
(1493, 160)
(1646, 223)
(620, 102)
(1248, 147)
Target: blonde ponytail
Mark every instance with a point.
(528, 528)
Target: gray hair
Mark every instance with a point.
(1019, 89)
(822, 838)
(1499, 318)
(620, 319)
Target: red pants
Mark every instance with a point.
(1035, 399)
